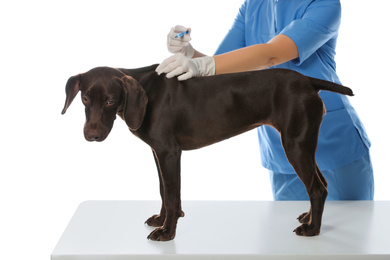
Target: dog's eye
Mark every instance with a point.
(85, 100)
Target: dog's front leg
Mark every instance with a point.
(158, 219)
(168, 163)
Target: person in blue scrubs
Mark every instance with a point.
(300, 35)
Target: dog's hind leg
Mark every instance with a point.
(304, 165)
(300, 144)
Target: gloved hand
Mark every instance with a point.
(179, 64)
(182, 44)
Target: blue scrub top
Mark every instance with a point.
(313, 26)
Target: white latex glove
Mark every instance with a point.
(182, 44)
(179, 64)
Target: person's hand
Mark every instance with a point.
(182, 44)
(179, 64)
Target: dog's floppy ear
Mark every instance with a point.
(71, 89)
(134, 102)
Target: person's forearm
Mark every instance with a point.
(261, 56)
(250, 58)
(240, 58)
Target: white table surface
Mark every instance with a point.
(115, 230)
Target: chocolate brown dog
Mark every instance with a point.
(172, 116)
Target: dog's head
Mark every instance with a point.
(106, 92)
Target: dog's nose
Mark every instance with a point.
(93, 135)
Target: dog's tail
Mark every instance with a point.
(320, 84)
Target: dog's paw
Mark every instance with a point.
(307, 230)
(304, 218)
(158, 220)
(161, 234)
(155, 221)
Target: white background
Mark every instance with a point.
(47, 168)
